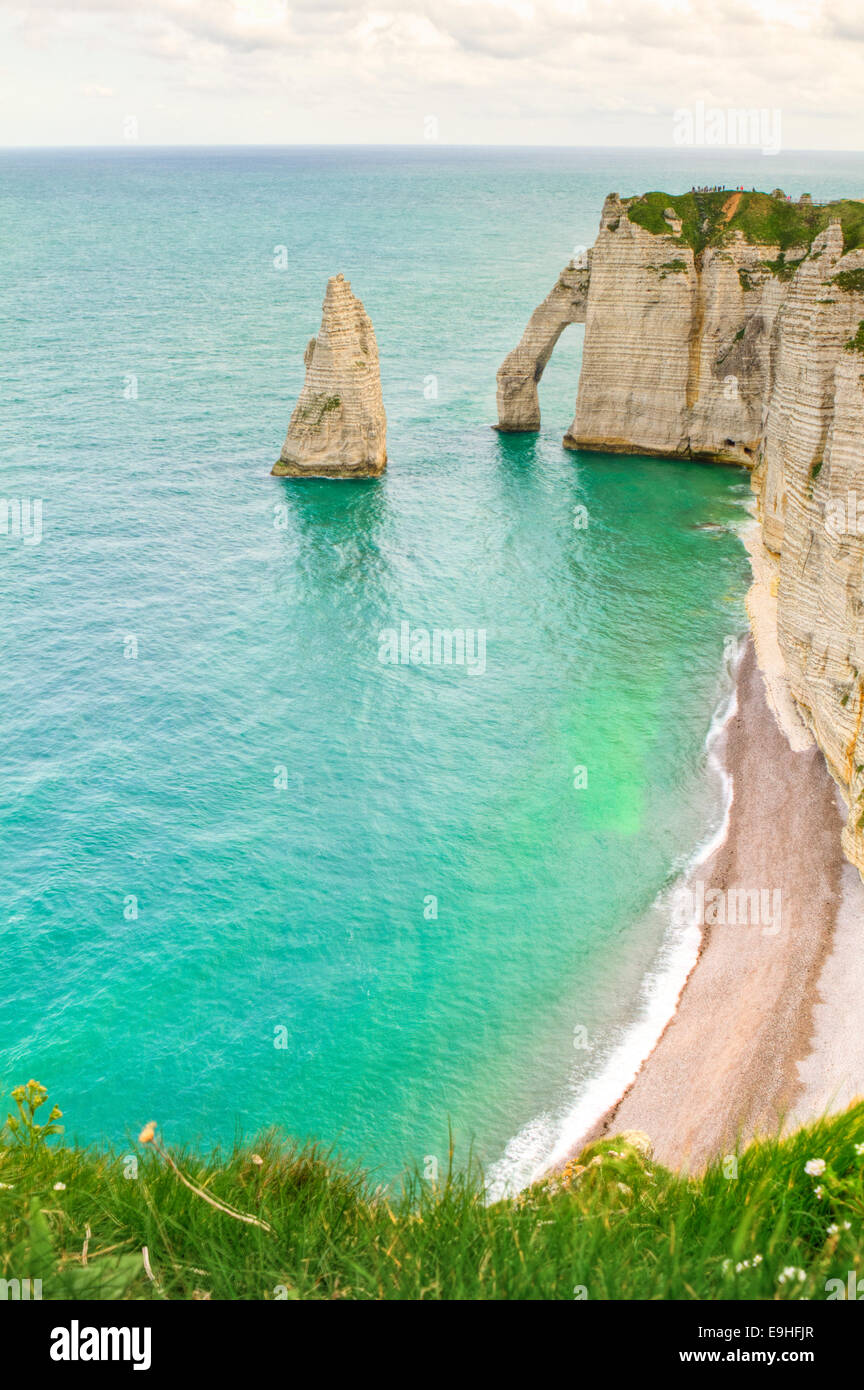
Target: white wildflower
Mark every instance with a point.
(59, 1187)
(790, 1274)
(814, 1167)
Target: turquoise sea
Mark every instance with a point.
(250, 875)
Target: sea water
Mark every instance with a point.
(252, 873)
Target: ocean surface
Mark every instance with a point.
(250, 874)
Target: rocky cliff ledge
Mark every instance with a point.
(730, 327)
(338, 428)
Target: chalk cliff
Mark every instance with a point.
(519, 373)
(730, 327)
(338, 428)
(810, 481)
(665, 360)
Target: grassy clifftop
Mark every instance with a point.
(708, 219)
(777, 1223)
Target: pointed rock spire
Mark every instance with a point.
(338, 428)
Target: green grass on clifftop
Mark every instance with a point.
(763, 219)
(617, 1227)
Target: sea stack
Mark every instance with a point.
(338, 428)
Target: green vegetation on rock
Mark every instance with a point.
(763, 219)
(279, 1222)
(815, 470)
(852, 281)
(856, 343)
(320, 406)
(781, 268)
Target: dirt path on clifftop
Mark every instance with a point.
(726, 1064)
(730, 207)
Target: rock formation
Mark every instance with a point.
(810, 482)
(519, 373)
(730, 327)
(338, 428)
(665, 362)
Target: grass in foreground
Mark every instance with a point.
(614, 1226)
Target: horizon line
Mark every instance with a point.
(713, 150)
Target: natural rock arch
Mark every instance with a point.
(521, 370)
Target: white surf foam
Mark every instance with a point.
(548, 1139)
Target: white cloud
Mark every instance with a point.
(505, 70)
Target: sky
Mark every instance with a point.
(475, 72)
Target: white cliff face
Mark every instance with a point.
(744, 353)
(338, 428)
(637, 354)
(677, 344)
(732, 335)
(808, 343)
(812, 502)
(519, 373)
